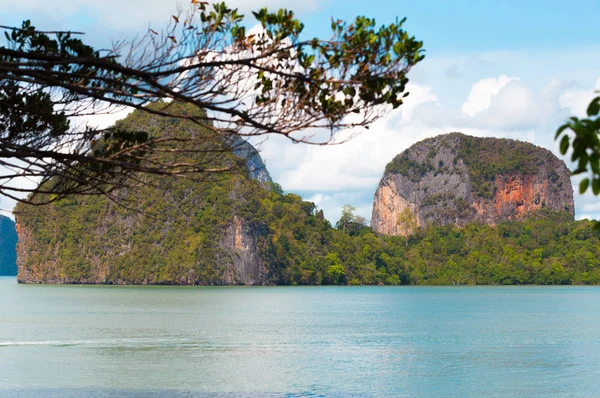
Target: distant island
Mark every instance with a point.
(8, 244)
(450, 210)
(458, 179)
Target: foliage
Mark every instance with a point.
(582, 136)
(270, 82)
(403, 164)
(407, 223)
(349, 222)
(487, 157)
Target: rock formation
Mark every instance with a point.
(458, 179)
(186, 232)
(256, 167)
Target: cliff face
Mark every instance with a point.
(8, 242)
(173, 257)
(459, 179)
(185, 232)
(254, 163)
(247, 266)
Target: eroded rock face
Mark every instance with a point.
(256, 167)
(459, 179)
(247, 267)
(240, 257)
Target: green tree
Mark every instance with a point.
(271, 82)
(336, 274)
(347, 218)
(407, 223)
(350, 223)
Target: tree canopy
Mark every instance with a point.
(581, 135)
(266, 81)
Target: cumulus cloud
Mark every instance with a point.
(503, 103)
(514, 107)
(577, 100)
(356, 164)
(482, 92)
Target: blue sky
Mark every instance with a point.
(500, 68)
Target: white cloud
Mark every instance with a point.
(482, 92)
(356, 164)
(514, 107)
(316, 199)
(577, 100)
(417, 96)
(587, 205)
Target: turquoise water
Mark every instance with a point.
(105, 341)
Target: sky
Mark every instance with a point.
(502, 68)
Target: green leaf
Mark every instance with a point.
(594, 107)
(583, 185)
(560, 130)
(595, 163)
(564, 144)
(596, 186)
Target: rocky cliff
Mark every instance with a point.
(254, 163)
(8, 242)
(458, 179)
(183, 231)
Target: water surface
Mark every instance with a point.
(110, 341)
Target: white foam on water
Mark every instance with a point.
(101, 343)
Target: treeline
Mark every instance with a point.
(547, 249)
(77, 239)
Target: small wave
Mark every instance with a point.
(98, 343)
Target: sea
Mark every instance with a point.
(359, 341)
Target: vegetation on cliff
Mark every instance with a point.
(484, 158)
(166, 230)
(300, 247)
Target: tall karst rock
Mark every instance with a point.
(185, 232)
(455, 178)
